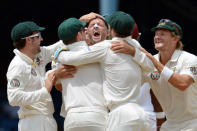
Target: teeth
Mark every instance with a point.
(97, 38)
(96, 33)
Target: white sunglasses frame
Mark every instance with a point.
(34, 35)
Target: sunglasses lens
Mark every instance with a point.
(165, 21)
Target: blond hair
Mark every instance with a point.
(91, 16)
(88, 17)
(179, 45)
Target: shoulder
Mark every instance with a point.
(188, 58)
(136, 43)
(186, 54)
(17, 66)
(102, 44)
(156, 56)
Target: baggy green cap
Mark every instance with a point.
(169, 25)
(24, 29)
(121, 22)
(69, 28)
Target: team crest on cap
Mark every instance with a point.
(14, 83)
(193, 70)
(162, 23)
(155, 75)
(33, 72)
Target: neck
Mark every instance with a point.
(166, 56)
(27, 52)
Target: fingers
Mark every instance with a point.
(143, 50)
(68, 66)
(58, 87)
(119, 50)
(50, 81)
(68, 76)
(68, 71)
(149, 55)
(53, 80)
(65, 71)
(122, 48)
(116, 42)
(116, 48)
(51, 77)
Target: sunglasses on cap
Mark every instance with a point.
(170, 23)
(166, 21)
(34, 35)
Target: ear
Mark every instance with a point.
(86, 33)
(28, 40)
(113, 33)
(108, 32)
(176, 38)
(85, 29)
(79, 36)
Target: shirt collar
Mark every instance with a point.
(174, 57)
(128, 38)
(24, 57)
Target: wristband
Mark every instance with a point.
(166, 73)
(160, 115)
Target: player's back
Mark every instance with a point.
(122, 78)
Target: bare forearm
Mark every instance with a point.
(181, 82)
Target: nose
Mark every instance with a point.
(156, 36)
(41, 39)
(95, 25)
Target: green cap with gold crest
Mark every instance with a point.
(69, 28)
(24, 29)
(169, 25)
(121, 22)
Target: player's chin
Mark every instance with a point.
(158, 44)
(158, 47)
(38, 50)
(97, 39)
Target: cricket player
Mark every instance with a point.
(175, 87)
(173, 80)
(120, 87)
(27, 87)
(84, 106)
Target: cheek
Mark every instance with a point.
(154, 38)
(37, 42)
(90, 31)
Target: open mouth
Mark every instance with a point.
(157, 41)
(96, 36)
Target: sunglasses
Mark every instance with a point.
(34, 35)
(166, 21)
(170, 23)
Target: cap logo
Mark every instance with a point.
(162, 23)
